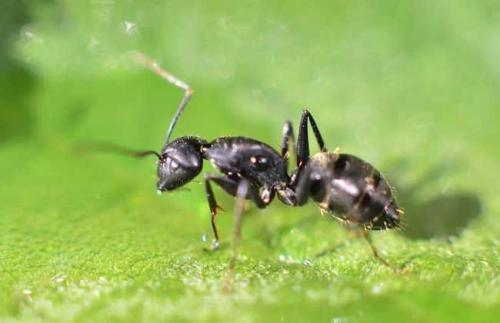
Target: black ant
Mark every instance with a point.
(344, 185)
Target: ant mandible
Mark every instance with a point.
(344, 185)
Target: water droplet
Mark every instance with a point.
(129, 27)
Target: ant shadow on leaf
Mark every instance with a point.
(443, 215)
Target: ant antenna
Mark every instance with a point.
(170, 78)
(109, 147)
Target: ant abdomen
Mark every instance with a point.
(353, 190)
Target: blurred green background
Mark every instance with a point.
(411, 86)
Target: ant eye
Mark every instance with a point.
(259, 162)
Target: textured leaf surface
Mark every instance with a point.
(411, 87)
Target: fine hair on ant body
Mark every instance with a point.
(349, 188)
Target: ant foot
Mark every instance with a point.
(215, 245)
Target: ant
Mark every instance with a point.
(342, 184)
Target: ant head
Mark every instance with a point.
(179, 162)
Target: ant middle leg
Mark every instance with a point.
(212, 203)
(230, 186)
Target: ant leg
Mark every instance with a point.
(333, 249)
(303, 138)
(366, 235)
(241, 194)
(170, 78)
(242, 191)
(303, 186)
(317, 134)
(212, 203)
(231, 187)
(243, 188)
(288, 140)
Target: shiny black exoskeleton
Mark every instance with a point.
(238, 158)
(350, 188)
(344, 185)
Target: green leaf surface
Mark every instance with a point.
(410, 86)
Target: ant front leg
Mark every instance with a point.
(212, 203)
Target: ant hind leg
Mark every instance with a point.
(241, 193)
(232, 187)
(239, 208)
(303, 138)
(367, 237)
